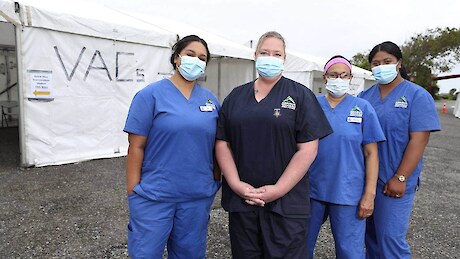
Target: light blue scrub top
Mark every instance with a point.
(178, 156)
(407, 108)
(338, 173)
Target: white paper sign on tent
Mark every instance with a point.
(41, 85)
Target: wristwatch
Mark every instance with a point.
(400, 177)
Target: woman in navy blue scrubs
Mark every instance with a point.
(267, 137)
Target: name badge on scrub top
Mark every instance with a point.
(206, 108)
(354, 119)
(356, 115)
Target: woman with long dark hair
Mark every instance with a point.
(407, 115)
(169, 171)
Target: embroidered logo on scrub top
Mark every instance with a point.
(356, 112)
(288, 103)
(356, 115)
(208, 107)
(277, 112)
(401, 102)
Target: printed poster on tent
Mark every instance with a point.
(40, 84)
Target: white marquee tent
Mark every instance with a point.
(72, 69)
(78, 68)
(308, 70)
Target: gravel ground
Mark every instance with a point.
(80, 210)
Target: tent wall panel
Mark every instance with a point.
(303, 77)
(224, 73)
(93, 81)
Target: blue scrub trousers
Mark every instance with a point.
(347, 228)
(182, 225)
(387, 228)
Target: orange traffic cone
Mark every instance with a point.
(444, 108)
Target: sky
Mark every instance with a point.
(319, 28)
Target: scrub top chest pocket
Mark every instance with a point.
(397, 116)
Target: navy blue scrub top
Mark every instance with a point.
(263, 137)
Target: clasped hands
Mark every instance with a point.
(257, 196)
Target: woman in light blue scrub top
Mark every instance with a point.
(171, 128)
(343, 177)
(407, 114)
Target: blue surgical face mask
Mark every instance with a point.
(269, 67)
(191, 68)
(338, 86)
(385, 74)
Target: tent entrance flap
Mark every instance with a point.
(9, 90)
(9, 95)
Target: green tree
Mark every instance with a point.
(425, 54)
(361, 61)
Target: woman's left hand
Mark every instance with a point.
(366, 205)
(394, 188)
(270, 193)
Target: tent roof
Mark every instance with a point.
(7, 13)
(218, 45)
(111, 23)
(85, 19)
(297, 62)
(305, 62)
